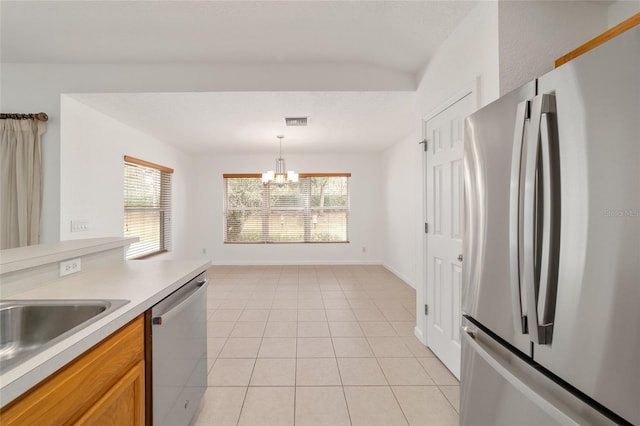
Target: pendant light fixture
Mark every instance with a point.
(281, 175)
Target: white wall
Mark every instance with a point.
(365, 222)
(400, 164)
(92, 152)
(469, 57)
(533, 34)
(621, 10)
(39, 87)
(469, 53)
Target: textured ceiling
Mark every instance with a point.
(398, 35)
(390, 36)
(250, 121)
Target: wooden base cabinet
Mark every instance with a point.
(120, 405)
(104, 386)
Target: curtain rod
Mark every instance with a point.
(40, 116)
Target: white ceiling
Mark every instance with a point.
(399, 36)
(241, 121)
(394, 34)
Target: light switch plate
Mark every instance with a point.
(79, 225)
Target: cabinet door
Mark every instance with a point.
(123, 404)
(74, 389)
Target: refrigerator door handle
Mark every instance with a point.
(540, 222)
(529, 273)
(550, 214)
(505, 370)
(516, 207)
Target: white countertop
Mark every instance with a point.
(30, 256)
(144, 283)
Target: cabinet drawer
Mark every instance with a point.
(66, 395)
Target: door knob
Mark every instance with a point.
(459, 258)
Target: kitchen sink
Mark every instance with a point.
(28, 327)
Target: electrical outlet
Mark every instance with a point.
(70, 267)
(79, 225)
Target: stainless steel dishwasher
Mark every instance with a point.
(179, 353)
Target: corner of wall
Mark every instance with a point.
(469, 54)
(411, 283)
(92, 174)
(400, 172)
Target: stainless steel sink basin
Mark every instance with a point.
(28, 327)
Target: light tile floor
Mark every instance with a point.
(319, 345)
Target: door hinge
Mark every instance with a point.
(425, 144)
(426, 309)
(426, 228)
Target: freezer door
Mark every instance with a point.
(499, 388)
(596, 342)
(493, 144)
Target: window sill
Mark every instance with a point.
(286, 242)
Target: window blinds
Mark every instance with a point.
(314, 209)
(147, 207)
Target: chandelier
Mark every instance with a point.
(281, 175)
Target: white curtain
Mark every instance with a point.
(21, 182)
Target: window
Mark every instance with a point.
(147, 207)
(313, 210)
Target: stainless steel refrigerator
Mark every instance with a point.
(551, 293)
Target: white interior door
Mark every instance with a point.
(444, 215)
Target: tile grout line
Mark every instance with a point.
(395, 397)
(352, 280)
(244, 400)
(246, 393)
(447, 398)
(295, 376)
(344, 393)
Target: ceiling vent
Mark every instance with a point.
(296, 121)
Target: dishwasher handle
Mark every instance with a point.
(200, 287)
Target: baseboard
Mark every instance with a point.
(293, 263)
(418, 333)
(399, 275)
